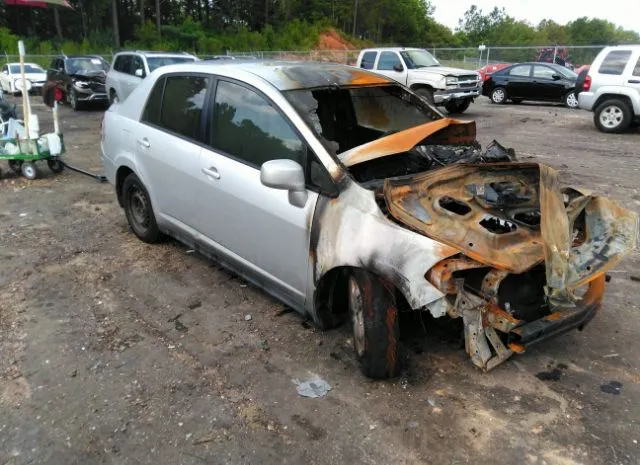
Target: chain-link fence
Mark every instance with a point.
(466, 58)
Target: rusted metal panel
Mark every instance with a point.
(441, 131)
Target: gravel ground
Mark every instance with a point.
(113, 351)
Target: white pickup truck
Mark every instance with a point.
(421, 72)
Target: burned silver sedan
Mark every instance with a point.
(350, 198)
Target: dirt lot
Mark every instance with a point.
(116, 352)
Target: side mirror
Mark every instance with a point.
(556, 77)
(5, 72)
(398, 67)
(287, 175)
(139, 73)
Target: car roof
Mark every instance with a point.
(289, 75)
(156, 53)
(625, 47)
(390, 49)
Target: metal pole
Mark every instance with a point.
(25, 93)
(555, 53)
(488, 52)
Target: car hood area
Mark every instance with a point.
(532, 254)
(444, 71)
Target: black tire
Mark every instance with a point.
(516, 100)
(426, 94)
(72, 98)
(570, 100)
(55, 165)
(139, 211)
(29, 170)
(113, 97)
(498, 95)
(374, 320)
(458, 106)
(16, 166)
(612, 115)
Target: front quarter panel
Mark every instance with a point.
(352, 231)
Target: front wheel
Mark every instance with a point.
(458, 106)
(426, 94)
(138, 209)
(29, 170)
(376, 330)
(72, 98)
(612, 115)
(498, 95)
(571, 100)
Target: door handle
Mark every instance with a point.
(634, 81)
(144, 142)
(212, 171)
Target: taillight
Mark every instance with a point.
(587, 83)
(487, 77)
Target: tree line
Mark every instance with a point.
(213, 26)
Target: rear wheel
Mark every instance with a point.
(571, 99)
(498, 95)
(72, 98)
(138, 209)
(15, 166)
(425, 93)
(458, 106)
(55, 165)
(376, 331)
(612, 115)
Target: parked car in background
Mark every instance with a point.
(487, 70)
(130, 68)
(11, 79)
(611, 88)
(80, 78)
(542, 82)
(352, 199)
(417, 69)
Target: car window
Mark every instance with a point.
(636, 70)
(137, 64)
(249, 128)
(543, 72)
(368, 59)
(388, 60)
(521, 70)
(615, 62)
(157, 62)
(151, 113)
(182, 103)
(5, 68)
(125, 63)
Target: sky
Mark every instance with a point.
(621, 12)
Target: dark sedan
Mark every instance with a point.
(544, 82)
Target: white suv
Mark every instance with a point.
(129, 68)
(611, 89)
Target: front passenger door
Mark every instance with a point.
(519, 82)
(254, 226)
(545, 86)
(389, 64)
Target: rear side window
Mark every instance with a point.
(388, 60)
(151, 113)
(138, 64)
(368, 59)
(182, 103)
(522, 71)
(615, 62)
(636, 70)
(247, 127)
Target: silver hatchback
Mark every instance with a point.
(350, 198)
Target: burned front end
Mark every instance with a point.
(532, 255)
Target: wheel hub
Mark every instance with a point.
(498, 95)
(611, 116)
(139, 207)
(572, 101)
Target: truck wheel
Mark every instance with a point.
(426, 94)
(376, 332)
(137, 207)
(458, 106)
(612, 115)
(499, 95)
(29, 170)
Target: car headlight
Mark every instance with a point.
(81, 84)
(452, 80)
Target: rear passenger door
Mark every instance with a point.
(253, 225)
(368, 60)
(388, 65)
(632, 76)
(544, 86)
(168, 143)
(518, 82)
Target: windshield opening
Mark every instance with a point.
(86, 65)
(157, 62)
(28, 68)
(419, 59)
(345, 117)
